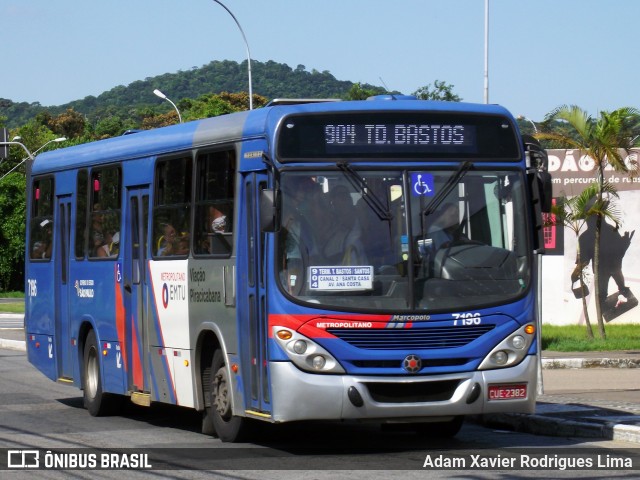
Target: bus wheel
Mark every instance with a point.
(440, 429)
(228, 427)
(96, 401)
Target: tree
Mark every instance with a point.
(607, 140)
(12, 231)
(161, 120)
(575, 213)
(70, 124)
(358, 92)
(439, 91)
(207, 106)
(111, 126)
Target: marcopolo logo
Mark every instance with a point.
(412, 364)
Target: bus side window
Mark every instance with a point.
(81, 214)
(104, 228)
(215, 203)
(41, 230)
(172, 207)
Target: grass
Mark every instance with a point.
(573, 338)
(16, 295)
(13, 307)
(16, 306)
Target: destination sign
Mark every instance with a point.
(361, 136)
(341, 278)
(435, 135)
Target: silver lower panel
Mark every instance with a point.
(299, 395)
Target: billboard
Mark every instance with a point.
(620, 247)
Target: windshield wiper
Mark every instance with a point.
(369, 196)
(451, 182)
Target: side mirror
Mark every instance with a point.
(542, 199)
(538, 165)
(268, 210)
(545, 187)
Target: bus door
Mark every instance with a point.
(61, 272)
(257, 385)
(135, 280)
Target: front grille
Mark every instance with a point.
(411, 338)
(426, 363)
(415, 392)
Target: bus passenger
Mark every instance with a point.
(98, 249)
(167, 240)
(182, 244)
(111, 245)
(38, 250)
(217, 224)
(217, 220)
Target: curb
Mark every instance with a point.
(557, 363)
(558, 427)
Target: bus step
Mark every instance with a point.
(142, 399)
(260, 415)
(65, 380)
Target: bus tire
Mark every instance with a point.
(228, 427)
(97, 402)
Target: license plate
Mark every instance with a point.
(507, 392)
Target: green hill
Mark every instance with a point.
(270, 79)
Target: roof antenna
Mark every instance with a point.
(387, 89)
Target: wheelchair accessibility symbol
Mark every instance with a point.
(422, 184)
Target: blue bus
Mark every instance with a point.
(365, 260)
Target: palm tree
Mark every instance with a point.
(607, 140)
(575, 213)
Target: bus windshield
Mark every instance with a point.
(403, 240)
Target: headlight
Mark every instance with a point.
(318, 362)
(500, 357)
(300, 346)
(305, 353)
(511, 350)
(518, 342)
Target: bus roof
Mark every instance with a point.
(232, 127)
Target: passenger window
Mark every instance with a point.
(215, 203)
(41, 241)
(104, 227)
(172, 207)
(81, 214)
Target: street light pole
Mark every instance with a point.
(486, 51)
(30, 156)
(56, 140)
(158, 93)
(16, 142)
(247, 47)
(522, 117)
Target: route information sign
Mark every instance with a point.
(341, 278)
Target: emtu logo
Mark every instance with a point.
(165, 295)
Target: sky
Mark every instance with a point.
(542, 53)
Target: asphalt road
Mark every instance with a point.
(36, 413)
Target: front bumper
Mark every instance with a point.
(298, 395)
